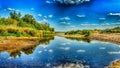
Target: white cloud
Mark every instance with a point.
(65, 18)
(39, 15)
(114, 14)
(48, 2)
(50, 16)
(80, 16)
(65, 23)
(11, 9)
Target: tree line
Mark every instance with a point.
(89, 32)
(18, 25)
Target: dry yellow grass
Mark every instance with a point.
(14, 45)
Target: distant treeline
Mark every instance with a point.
(16, 25)
(88, 32)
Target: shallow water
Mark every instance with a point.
(63, 53)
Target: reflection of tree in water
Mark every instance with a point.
(30, 49)
(16, 53)
(80, 39)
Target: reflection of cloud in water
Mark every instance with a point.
(44, 46)
(45, 49)
(65, 48)
(81, 51)
(70, 65)
(9, 58)
(50, 50)
(114, 52)
(66, 43)
(48, 65)
(32, 58)
(39, 51)
(102, 48)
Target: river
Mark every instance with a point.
(63, 53)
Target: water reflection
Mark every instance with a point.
(80, 39)
(70, 65)
(16, 50)
(60, 53)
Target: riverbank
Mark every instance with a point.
(113, 37)
(14, 45)
(115, 64)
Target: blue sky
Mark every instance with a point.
(87, 15)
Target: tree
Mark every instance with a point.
(15, 15)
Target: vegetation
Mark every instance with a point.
(18, 26)
(80, 32)
(87, 33)
(111, 30)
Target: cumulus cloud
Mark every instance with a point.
(65, 18)
(81, 16)
(72, 1)
(11, 9)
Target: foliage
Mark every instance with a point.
(80, 32)
(15, 25)
(112, 30)
(86, 33)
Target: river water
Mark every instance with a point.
(63, 53)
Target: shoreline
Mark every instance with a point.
(114, 64)
(113, 37)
